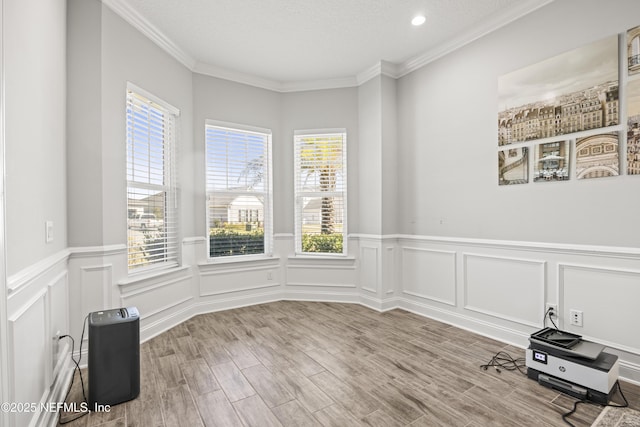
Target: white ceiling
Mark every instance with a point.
(298, 44)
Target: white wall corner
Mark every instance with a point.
(386, 68)
(194, 250)
(129, 14)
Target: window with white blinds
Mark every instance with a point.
(239, 196)
(152, 239)
(321, 191)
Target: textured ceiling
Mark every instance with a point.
(288, 41)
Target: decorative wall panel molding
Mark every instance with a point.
(389, 270)
(505, 287)
(28, 358)
(236, 290)
(369, 269)
(546, 248)
(36, 271)
(595, 291)
(95, 287)
(57, 315)
(429, 274)
(160, 297)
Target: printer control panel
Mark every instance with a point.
(540, 356)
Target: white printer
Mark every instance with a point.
(567, 363)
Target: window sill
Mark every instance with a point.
(321, 259)
(138, 277)
(244, 259)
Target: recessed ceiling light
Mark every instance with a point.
(418, 20)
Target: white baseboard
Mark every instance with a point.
(205, 306)
(630, 372)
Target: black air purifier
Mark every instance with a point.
(114, 356)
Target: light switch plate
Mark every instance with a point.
(48, 226)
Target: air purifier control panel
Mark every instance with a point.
(107, 317)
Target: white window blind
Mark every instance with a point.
(320, 191)
(238, 189)
(152, 239)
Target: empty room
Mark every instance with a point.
(319, 212)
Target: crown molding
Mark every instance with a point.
(386, 68)
(126, 12)
(494, 23)
(253, 80)
(319, 84)
(236, 76)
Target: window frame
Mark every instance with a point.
(299, 195)
(268, 191)
(169, 187)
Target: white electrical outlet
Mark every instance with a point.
(575, 317)
(552, 309)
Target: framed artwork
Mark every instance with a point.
(633, 50)
(551, 161)
(597, 156)
(513, 166)
(571, 92)
(633, 127)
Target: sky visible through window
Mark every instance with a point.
(145, 136)
(235, 160)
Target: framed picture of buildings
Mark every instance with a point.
(633, 126)
(633, 50)
(551, 161)
(597, 156)
(571, 92)
(513, 166)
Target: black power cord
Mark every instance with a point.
(548, 314)
(505, 361)
(577, 402)
(73, 374)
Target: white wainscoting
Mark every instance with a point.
(389, 269)
(226, 278)
(503, 288)
(609, 299)
(38, 359)
(161, 299)
(370, 275)
(429, 274)
(95, 287)
(93, 272)
(509, 288)
(497, 289)
(378, 275)
(28, 354)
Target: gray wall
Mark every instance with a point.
(84, 123)
(370, 120)
(318, 109)
(377, 163)
(226, 101)
(127, 55)
(447, 114)
(35, 85)
(105, 53)
(222, 100)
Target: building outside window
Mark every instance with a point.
(238, 180)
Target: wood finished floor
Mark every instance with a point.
(326, 364)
